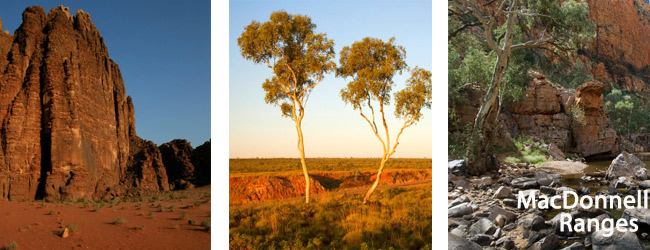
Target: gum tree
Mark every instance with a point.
(299, 59)
(372, 63)
(506, 26)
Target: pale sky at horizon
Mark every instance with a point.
(330, 127)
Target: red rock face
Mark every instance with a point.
(597, 136)
(545, 113)
(542, 114)
(245, 190)
(621, 44)
(67, 127)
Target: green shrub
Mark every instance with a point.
(512, 159)
(206, 225)
(120, 221)
(12, 246)
(534, 159)
(72, 228)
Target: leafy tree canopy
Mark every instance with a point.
(298, 56)
(371, 63)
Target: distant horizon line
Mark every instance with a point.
(298, 158)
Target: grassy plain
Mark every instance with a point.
(397, 217)
(258, 165)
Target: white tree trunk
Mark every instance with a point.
(376, 183)
(301, 149)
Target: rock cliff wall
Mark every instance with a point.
(66, 125)
(620, 53)
(547, 112)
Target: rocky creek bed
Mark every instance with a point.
(483, 213)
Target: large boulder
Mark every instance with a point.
(627, 165)
(641, 214)
(549, 242)
(456, 167)
(457, 243)
(460, 210)
(618, 240)
(482, 226)
(555, 152)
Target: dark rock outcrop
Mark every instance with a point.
(202, 164)
(66, 125)
(177, 158)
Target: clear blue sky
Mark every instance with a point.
(331, 128)
(163, 50)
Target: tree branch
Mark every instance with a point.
(383, 118)
(465, 26)
(371, 127)
(532, 43)
(373, 113)
(406, 125)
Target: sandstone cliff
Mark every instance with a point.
(543, 114)
(620, 52)
(596, 136)
(66, 125)
(546, 113)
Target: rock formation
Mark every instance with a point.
(596, 136)
(620, 48)
(249, 189)
(66, 125)
(546, 113)
(201, 162)
(543, 113)
(627, 165)
(176, 156)
(185, 166)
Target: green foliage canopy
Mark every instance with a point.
(410, 101)
(298, 56)
(627, 112)
(371, 63)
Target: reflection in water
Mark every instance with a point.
(574, 181)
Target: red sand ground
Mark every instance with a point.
(30, 226)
